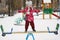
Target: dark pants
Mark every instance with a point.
(27, 24)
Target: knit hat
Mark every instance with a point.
(28, 3)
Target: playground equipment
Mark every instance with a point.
(5, 33)
(58, 11)
(55, 32)
(56, 16)
(30, 34)
(47, 9)
(19, 20)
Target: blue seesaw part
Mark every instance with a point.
(4, 33)
(48, 29)
(30, 34)
(19, 20)
(55, 32)
(2, 30)
(57, 27)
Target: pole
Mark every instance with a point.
(50, 16)
(43, 16)
(43, 9)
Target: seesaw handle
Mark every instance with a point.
(2, 28)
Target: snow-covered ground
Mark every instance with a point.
(40, 25)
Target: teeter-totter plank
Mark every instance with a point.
(31, 32)
(4, 33)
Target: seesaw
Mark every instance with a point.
(5, 33)
(18, 20)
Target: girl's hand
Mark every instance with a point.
(37, 14)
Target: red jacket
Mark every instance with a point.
(29, 13)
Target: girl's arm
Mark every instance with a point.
(35, 10)
(21, 11)
(24, 10)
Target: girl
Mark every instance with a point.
(29, 17)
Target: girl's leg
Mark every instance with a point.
(32, 25)
(26, 25)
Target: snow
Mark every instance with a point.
(40, 25)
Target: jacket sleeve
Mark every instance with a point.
(35, 10)
(22, 11)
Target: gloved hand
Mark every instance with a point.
(37, 14)
(24, 16)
